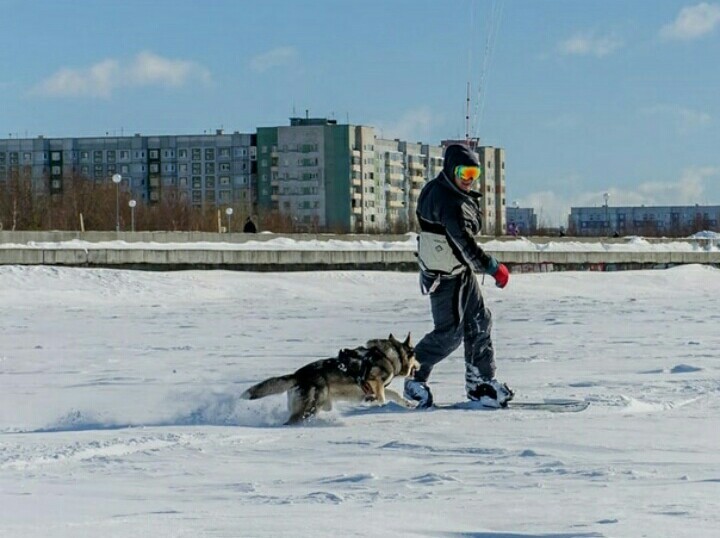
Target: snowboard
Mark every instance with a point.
(550, 405)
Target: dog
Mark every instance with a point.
(359, 374)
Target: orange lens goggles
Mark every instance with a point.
(467, 173)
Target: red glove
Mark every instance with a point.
(501, 276)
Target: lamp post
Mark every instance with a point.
(229, 212)
(132, 204)
(117, 178)
(606, 197)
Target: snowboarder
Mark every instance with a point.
(449, 216)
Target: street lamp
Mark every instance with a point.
(606, 197)
(229, 212)
(132, 204)
(117, 178)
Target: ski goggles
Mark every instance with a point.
(467, 173)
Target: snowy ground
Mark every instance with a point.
(119, 414)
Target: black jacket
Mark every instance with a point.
(445, 209)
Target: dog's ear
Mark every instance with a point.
(407, 341)
(391, 337)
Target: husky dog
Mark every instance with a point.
(359, 374)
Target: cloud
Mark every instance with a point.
(276, 57)
(553, 208)
(693, 22)
(105, 77)
(412, 125)
(588, 44)
(684, 120)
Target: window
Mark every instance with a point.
(124, 155)
(182, 182)
(183, 168)
(196, 182)
(124, 169)
(154, 154)
(224, 153)
(111, 169)
(209, 182)
(224, 167)
(154, 168)
(182, 153)
(56, 156)
(27, 156)
(197, 196)
(209, 168)
(85, 170)
(97, 156)
(224, 181)
(197, 168)
(196, 154)
(56, 170)
(111, 156)
(210, 154)
(168, 154)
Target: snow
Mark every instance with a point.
(119, 409)
(702, 241)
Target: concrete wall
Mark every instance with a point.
(289, 260)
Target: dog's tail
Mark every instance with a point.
(274, 385)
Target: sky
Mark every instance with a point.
(120, 416)
(586, 97)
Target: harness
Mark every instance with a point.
(357, 363)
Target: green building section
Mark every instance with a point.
(267, 138)
(337, 156)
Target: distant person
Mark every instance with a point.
(249, 227)
(449, 214)
(616, 234)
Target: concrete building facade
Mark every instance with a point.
(204, 169)
(650, 220)
(521, 220)
(327, 176)
(321, 175)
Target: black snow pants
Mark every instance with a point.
(459, 315)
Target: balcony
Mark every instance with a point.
(357, 182)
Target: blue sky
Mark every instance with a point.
(586, 96)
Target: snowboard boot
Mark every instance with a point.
(490, 393)
(418, 391)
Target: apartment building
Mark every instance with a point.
(215, 169)
(327, 176)
(322, 175)
(642, 220)
(521, 220)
